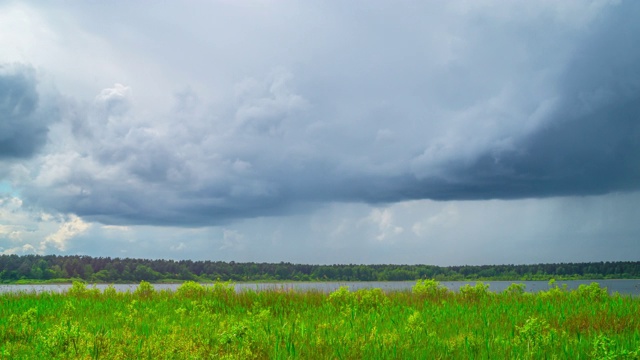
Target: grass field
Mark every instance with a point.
(215, 322)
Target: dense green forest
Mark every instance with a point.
(34, 268)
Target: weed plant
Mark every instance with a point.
(215, 322)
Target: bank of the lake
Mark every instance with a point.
(47, 268)
(218, 321)
(622, 286)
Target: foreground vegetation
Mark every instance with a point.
(52, 268)
(429, 322)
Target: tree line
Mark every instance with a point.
(15, 268)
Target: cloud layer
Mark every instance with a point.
(210, 124)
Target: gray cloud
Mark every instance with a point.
(382, 106)
(590, 143)
(23, 128)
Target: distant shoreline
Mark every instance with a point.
(277, 282)
(52, 269)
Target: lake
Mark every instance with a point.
(624, 287)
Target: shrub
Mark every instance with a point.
(554, 291)
(477, 292)
(110, 291)
(191, 289)
(79, 289)
(428, 288)
(224, 289)
(592, 292)
(144, 290)
(535, 333)
(341, 297)
(371, 298)
(515, 289)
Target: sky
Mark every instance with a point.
(414, 132)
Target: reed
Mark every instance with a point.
(430, 322)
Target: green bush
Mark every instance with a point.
(341, 297)
(429, 288)
(144, 290)
(477, 292)
(592, 292)
(110, 291)
(515, 289)
(535, 333)
(191, 289)
(79, 289)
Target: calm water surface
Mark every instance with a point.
(624, 287)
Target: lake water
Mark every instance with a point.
(624, 287)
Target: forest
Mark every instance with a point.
(55, 268)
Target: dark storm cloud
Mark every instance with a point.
(493, 106)
(591, 143)
(23, 129)
(594, 154)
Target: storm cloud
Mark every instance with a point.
(381, 106)
(591, 141)
(23, 128)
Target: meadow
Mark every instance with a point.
(216, 322)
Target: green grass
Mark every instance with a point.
(215, 322)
